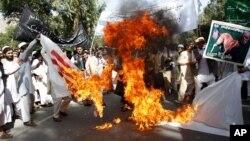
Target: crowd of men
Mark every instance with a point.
(25, 77)
(26, 83)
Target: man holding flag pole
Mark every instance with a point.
(60, 94)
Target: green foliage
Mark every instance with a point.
(6, 38)
(13, 8)
(213, 11)
(70, 13)
(98, 40)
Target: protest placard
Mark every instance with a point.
(228, 43)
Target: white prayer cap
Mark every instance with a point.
(180, 46)
(33, 53)
(200, 39)
(22, 44)
(5, 48)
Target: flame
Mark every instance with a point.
(117, 120)
(83, 88)
(108, 125)
(104, 126)
(129, 36)
(185, 113)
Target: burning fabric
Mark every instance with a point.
(80, 87)
(130, 36)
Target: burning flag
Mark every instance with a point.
(129, 37)
(80, 87)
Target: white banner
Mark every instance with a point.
(183, 12)
(219, 104)
(200, 5)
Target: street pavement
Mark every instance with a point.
(80, 124)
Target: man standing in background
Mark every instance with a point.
(78, 58)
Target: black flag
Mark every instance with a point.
(29, 25)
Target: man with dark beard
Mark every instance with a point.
(11, 66)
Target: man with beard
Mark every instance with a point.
(11, 66)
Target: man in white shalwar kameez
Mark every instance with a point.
(186, 61)
(91, 66)
(205, 74)
(41, 81)
(5, 107)
(25, 86)
(11, 66)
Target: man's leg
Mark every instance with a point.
(25, 107)
(65, 103)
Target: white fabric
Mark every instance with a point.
(41, 82)
(25, 107)
(5, 106)
(56, 81)
(36, 94)
(204, 76)
(22, 44)
(1, 97)
(25, 81)
(185, 69)
(91, 66)
(10, 68)
(101, 64)
(197, 126)
(219, 104)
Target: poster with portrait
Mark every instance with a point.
(228, 43)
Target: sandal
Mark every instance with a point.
(30, 123)
(6, 136)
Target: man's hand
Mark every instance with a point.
(242, 70)
(20, 61)
(38, 36)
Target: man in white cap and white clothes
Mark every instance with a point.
(186, 60)
(25, 86)
(11, 67)
(206, 67)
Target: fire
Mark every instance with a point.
(104, 126)
(108, 125)
(130, 36)
(83, 88)
(185, 113)
(117, 120)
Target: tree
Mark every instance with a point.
(6, 38)
(213, 11)
(63, 16)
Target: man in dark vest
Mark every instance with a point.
(78, 58)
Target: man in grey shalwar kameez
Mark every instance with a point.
(25, 86)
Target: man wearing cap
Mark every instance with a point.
(186, 61)
(11, 66)
(5, 105)
(24, 83)
(207, 68)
